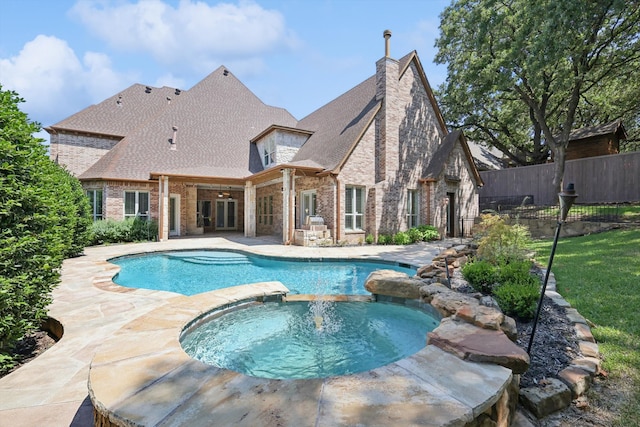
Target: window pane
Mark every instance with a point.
(129, 203)
(348, 222)
(143, 204)
(98, 203)
(359, 222)
(220, 214)
(231, 214)
(359, 200)
(348, 200)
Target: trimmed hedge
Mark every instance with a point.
(128, 230)
(43, 219)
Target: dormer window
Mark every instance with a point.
(269, 152)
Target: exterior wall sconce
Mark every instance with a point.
(566, 198)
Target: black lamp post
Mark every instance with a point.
(567, 197)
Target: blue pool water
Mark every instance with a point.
(284, 341)
(194, 272)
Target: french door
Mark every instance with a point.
(308, 205)
(226, 214)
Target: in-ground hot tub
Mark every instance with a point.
(308, 339)
(142, 376)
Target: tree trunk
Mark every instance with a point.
(559, 157)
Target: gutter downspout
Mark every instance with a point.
(160, 210)
(338, 206)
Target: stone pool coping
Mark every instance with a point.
(142, 376)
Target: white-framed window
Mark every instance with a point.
(353, 208)
(136, 204)
(265, 210)
(269, 152)
(95, 200)
(413, 208)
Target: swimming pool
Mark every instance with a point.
(194, 272)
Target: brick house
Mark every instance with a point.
(377, 159)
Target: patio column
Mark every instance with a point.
(163, 206)
(286, 181)
(249, 209)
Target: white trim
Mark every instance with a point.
(176, 231)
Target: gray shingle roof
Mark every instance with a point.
(439, 160)
(338, 125)
(215, 119)
(121, 113)
(587, 132)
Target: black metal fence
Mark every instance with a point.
(523, 207)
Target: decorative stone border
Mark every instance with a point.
(553, 394)
(556, 394)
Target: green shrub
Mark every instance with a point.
(429, 232)
(516, 271)
(500, 242)
(128, 230)
(518, 299)
(41, 221)
(369, 239)
(481, 275)
(384, 239)
(401, 238)
(415, 235)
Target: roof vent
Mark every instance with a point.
(147, 89)
(172, 141)
(177, 91)
(168, 100)
(225, 73)
(119, 101)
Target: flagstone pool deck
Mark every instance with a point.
(115, 324)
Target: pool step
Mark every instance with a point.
(213, 259)
(218, 261)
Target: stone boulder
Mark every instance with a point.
(393, 283)
(551, 396)
(470, 342)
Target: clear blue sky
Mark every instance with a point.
(62, 55)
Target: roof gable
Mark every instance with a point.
(439, 160)
(404, 64)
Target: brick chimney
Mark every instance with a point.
(387, 120)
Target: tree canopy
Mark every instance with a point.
(522, 74)
(44, 217)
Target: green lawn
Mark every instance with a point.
(600, 277)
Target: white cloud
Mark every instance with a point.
(193, 34)
(54, 82)
(170, 80)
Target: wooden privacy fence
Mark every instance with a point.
(604, 179)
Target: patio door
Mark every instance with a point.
(226, 214)
(308, 205)
(451, 215)
(174, 215)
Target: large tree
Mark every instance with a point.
(522, 74)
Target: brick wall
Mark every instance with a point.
(409, 126)
(274, 190)
(78, 152)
